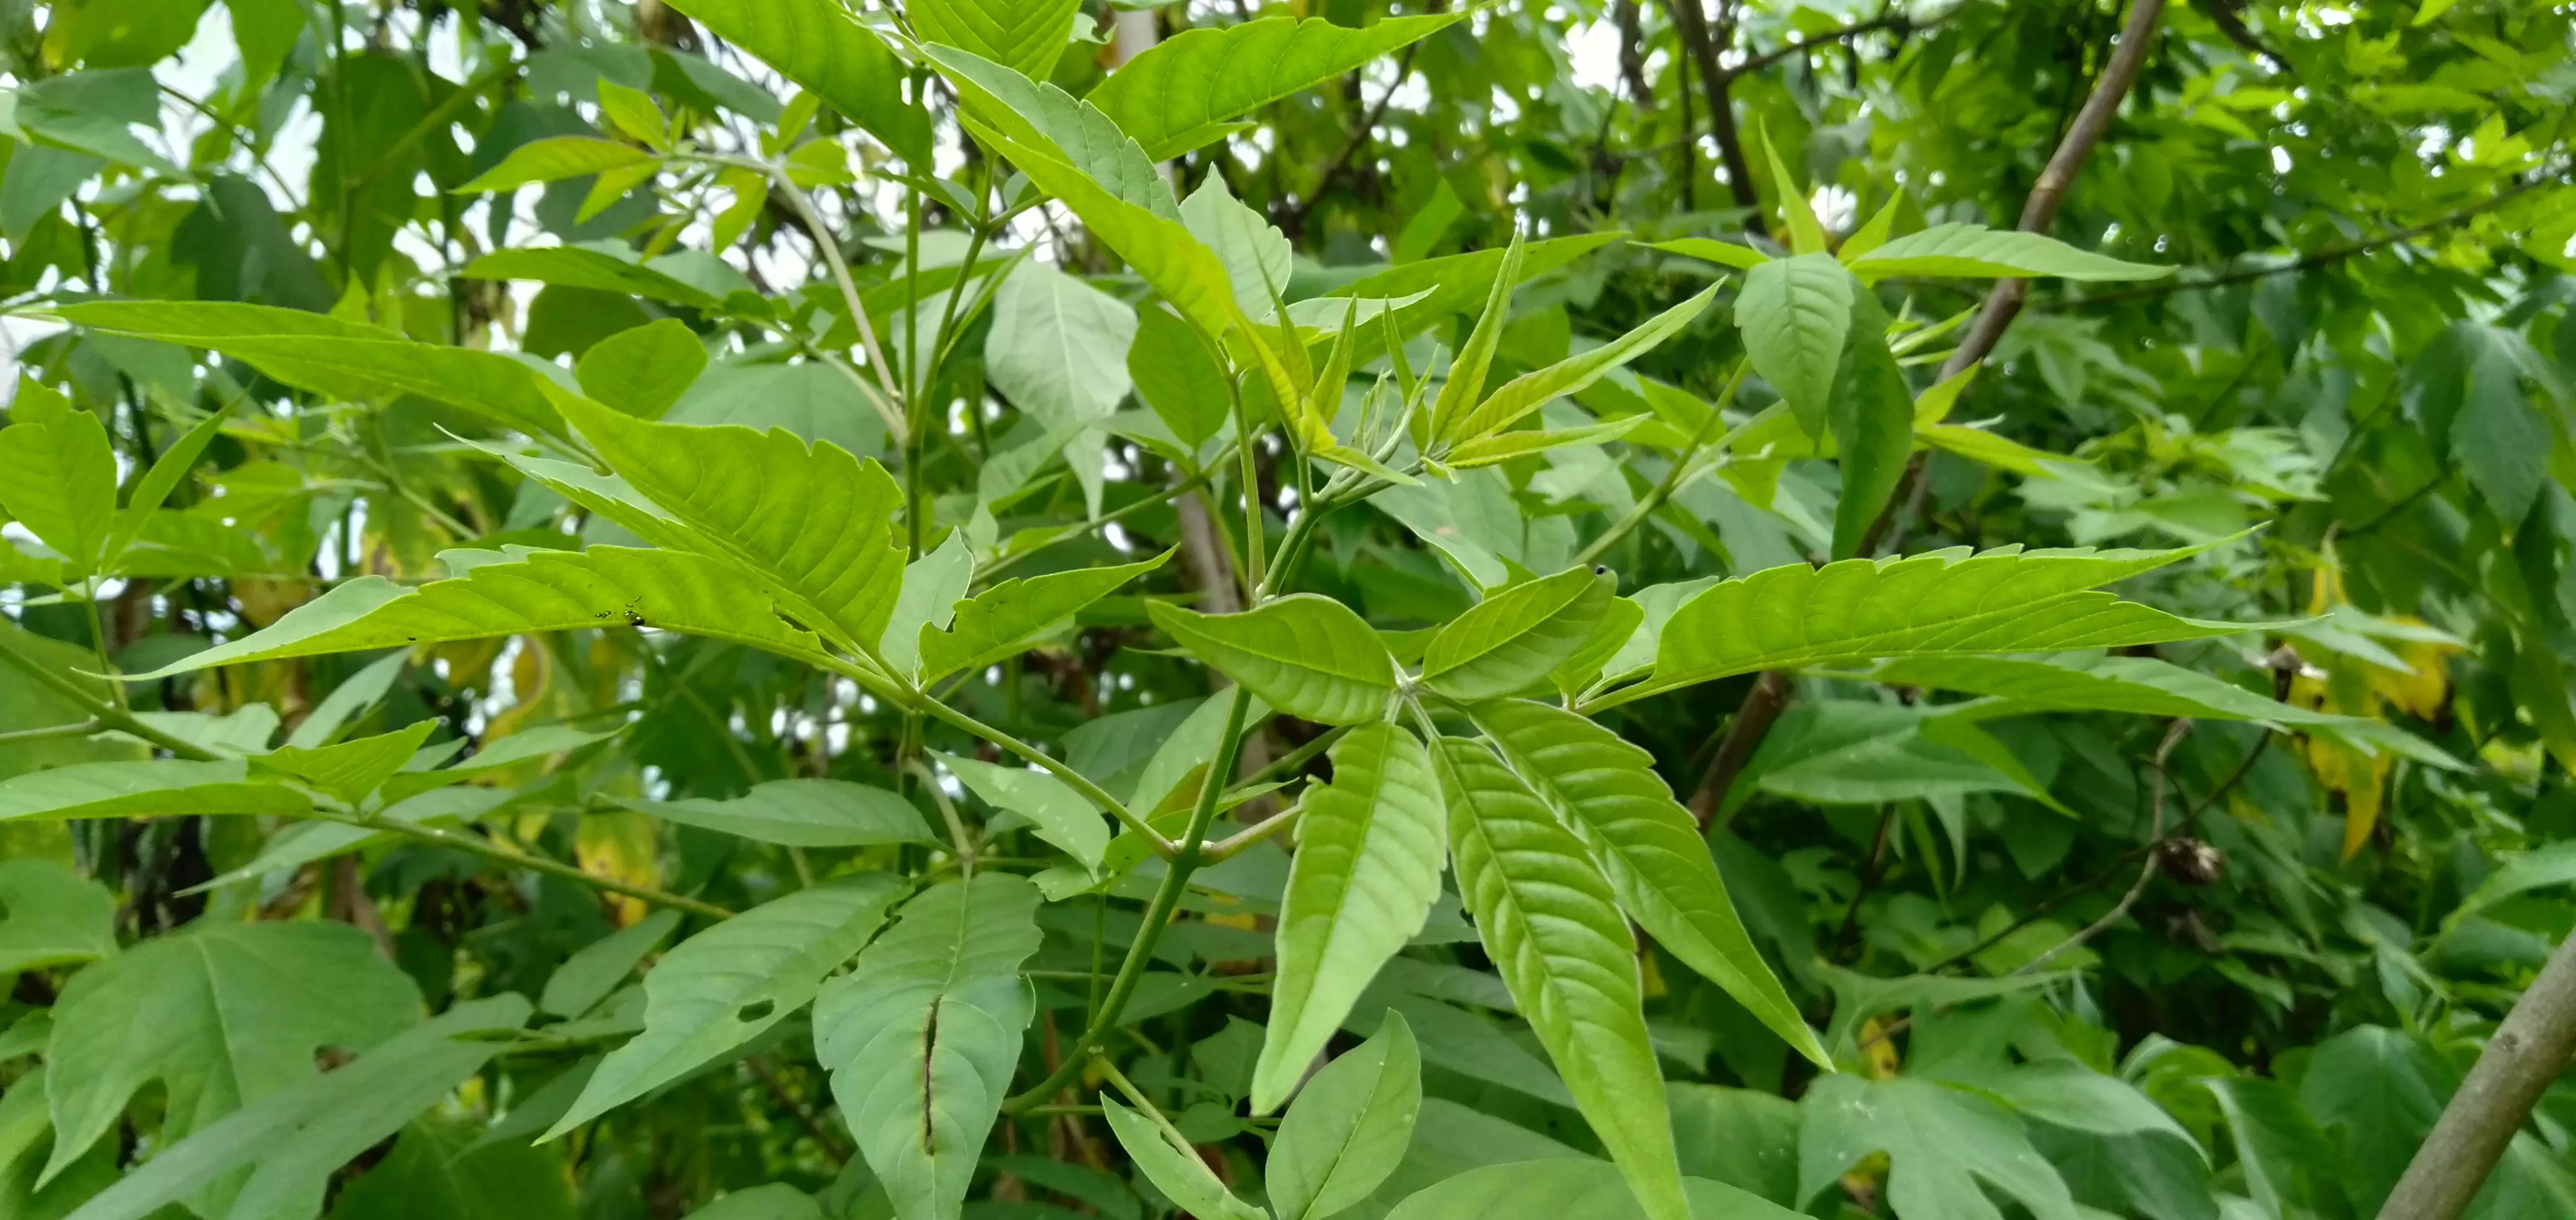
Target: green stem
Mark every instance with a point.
(1195, 481)
(1136, 1097)
(830, 246)
(1682, 467)
(79, 729)
(1158, 915)
(1075, 779)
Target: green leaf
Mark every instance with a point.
(58, 478)
(1158, 249)
(534, 591)
(1173, 1167)
(1515, 638)
(351, 769)
(293, 1141)
(164, 477)
(721, 988)
(595, 969)
(1504, 446)
(53, 916)
(1650, 849)
(2140, 686)
(1870, 415)
(1942, 603)
(1940, 1143)
(1181, 93)
(1530, 391)
(1060, 815)
(813, 522)
(119, 789)
(582, 267)
(2544, 867)
(1551, 923)
(772, 1201)
(2499, 438)
(1796, 315)
(1004, 620)
(556, 158)
(922, 1035)
(223, 1015)
(337, 359)
(1362, 883)
(932, 587)
(1058, 347)
(1048, 120)
(1723, 253)
(1980, 252)
(2288, 1164)
(801, 813)
(1566, 1188)
(1175, 375)
(1309, 656)
(1025, 36)
(442, 1169)
(1350, 1125)
(643, 370)
(818, 44)
(1257, 259)
(1465, 384)
(1806, 236)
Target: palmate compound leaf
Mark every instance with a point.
(1004, 620)
(1550, 921)
(222, 1014)
(1364, 878)
(818, 44)
(1309, 656)
(1515, 638)
(814, 522)
(1179, 94)
(922, 1034)
(1350, 1127)
(1650, 848)
(1941, 1142)
(335, 358)
(1568, 1188)
(722, 987)
(538, 591)
(1942, 603)
(801, 813)
(292, 1141)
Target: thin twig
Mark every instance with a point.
(2147, 873)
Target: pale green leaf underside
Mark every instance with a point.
(1047, 119)
(55, 917)
(1607, 790)
(1180, 94)
(1794, 313)
(1176, 1171)
(1364, 878)
(1059, 814)
(817, 44)
(542, 591)
(1976, 251)
(58, 478)
(1941, 603)
(1023, 35)
(1350, 1127)
(801, 813)
(1156, 247)
(923, 1033)
(1309, 656)
(720, 988)
(1551, 923)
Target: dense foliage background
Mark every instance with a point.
(316, 303)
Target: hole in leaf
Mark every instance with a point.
(755, 1010)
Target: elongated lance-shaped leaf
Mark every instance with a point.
(722, 987)
(1001, 621)
(1173, 1167)
(1794, 313)
(556, 158)
(604, 586)
(351, 769)
(1806, 235)
(1552, 925)
(801, 813)
(1530, 391)
(293, 1142)
(1983, 253)
(1947, 602)
(1607, 791)
(1723, 253)
(1871, 418)
(1179, 94)
(922, 1034)
(1504, 446)
(1159, 249)
(331, 357)
(1046, 119)
(1366, 873)
(138, 789)
(163, 478)
(1025, 36)
(1465, 385)
(1310, 656)
(814, 521)
(818, 44)
(1350, 1126)
(579, 267)
(1515, 638)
